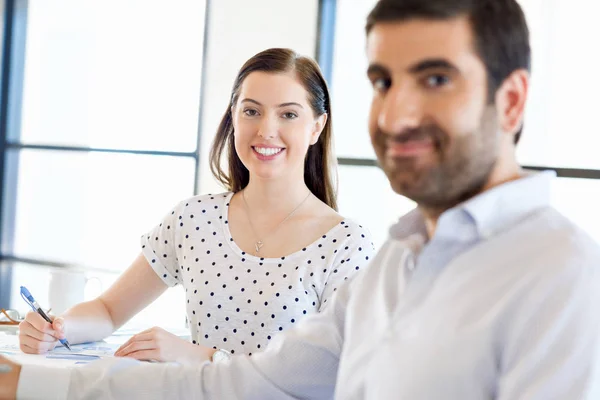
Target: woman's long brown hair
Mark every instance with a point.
(320, 164)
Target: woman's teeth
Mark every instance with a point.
(267, 151)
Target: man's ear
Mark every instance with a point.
(319, 126)
(510, 98)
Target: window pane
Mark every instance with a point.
(92, 208)
(113, 73)
(578, 199)
(350, 90)
(560, 126)
(365, 195)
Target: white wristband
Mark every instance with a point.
(220, 355)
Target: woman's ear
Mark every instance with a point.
(319, 126)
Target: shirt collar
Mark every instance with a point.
(410, 230)
(489, 212)
(502, 206)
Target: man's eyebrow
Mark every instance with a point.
(433, 63)
(291, 103)
(424, 65)
(377, 69)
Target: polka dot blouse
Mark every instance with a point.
(236, 301)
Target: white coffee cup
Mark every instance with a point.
(67, 288)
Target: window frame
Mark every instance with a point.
(11, 90)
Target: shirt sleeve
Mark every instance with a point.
(298, 363)
(353, 256)
(159, 247)
(551, 352)
(49, 383)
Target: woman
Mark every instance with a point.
(253, 261)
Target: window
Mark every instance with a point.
(351, 102)
(102, 132)
(89, 208)
(92, 80)
(366, 196)
(560, 127)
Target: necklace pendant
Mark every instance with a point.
(258, 245)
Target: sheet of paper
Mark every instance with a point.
(97, 349)
(10, 344)
(80, 354)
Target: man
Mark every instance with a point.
(483, 292)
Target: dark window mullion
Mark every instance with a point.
(560, 172)
(22, 146)
(7, 175)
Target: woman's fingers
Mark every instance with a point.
(33, 346)
(26, 329)
(58, 324)
(134, 346)
(144, 335)
(39, 323)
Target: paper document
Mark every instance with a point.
(97, 349)
(10, 344)
(81, 353)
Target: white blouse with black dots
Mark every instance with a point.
(236, 301)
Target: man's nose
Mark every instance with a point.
(401, 110)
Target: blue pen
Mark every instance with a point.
(36, 308)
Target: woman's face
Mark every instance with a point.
(274, 125)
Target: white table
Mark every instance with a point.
(82, 354)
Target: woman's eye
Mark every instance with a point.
(290, 115)
(435, 81)
(250, 112)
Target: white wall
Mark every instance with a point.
(237, 31)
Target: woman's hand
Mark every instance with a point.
(36, 336)
(156, 344)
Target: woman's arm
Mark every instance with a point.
(94, 320)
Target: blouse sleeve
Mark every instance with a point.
(353, 255)
(159, 246)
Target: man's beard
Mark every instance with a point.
(462, 166)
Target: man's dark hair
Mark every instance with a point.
(499, 27)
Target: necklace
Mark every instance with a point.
(260, 242)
